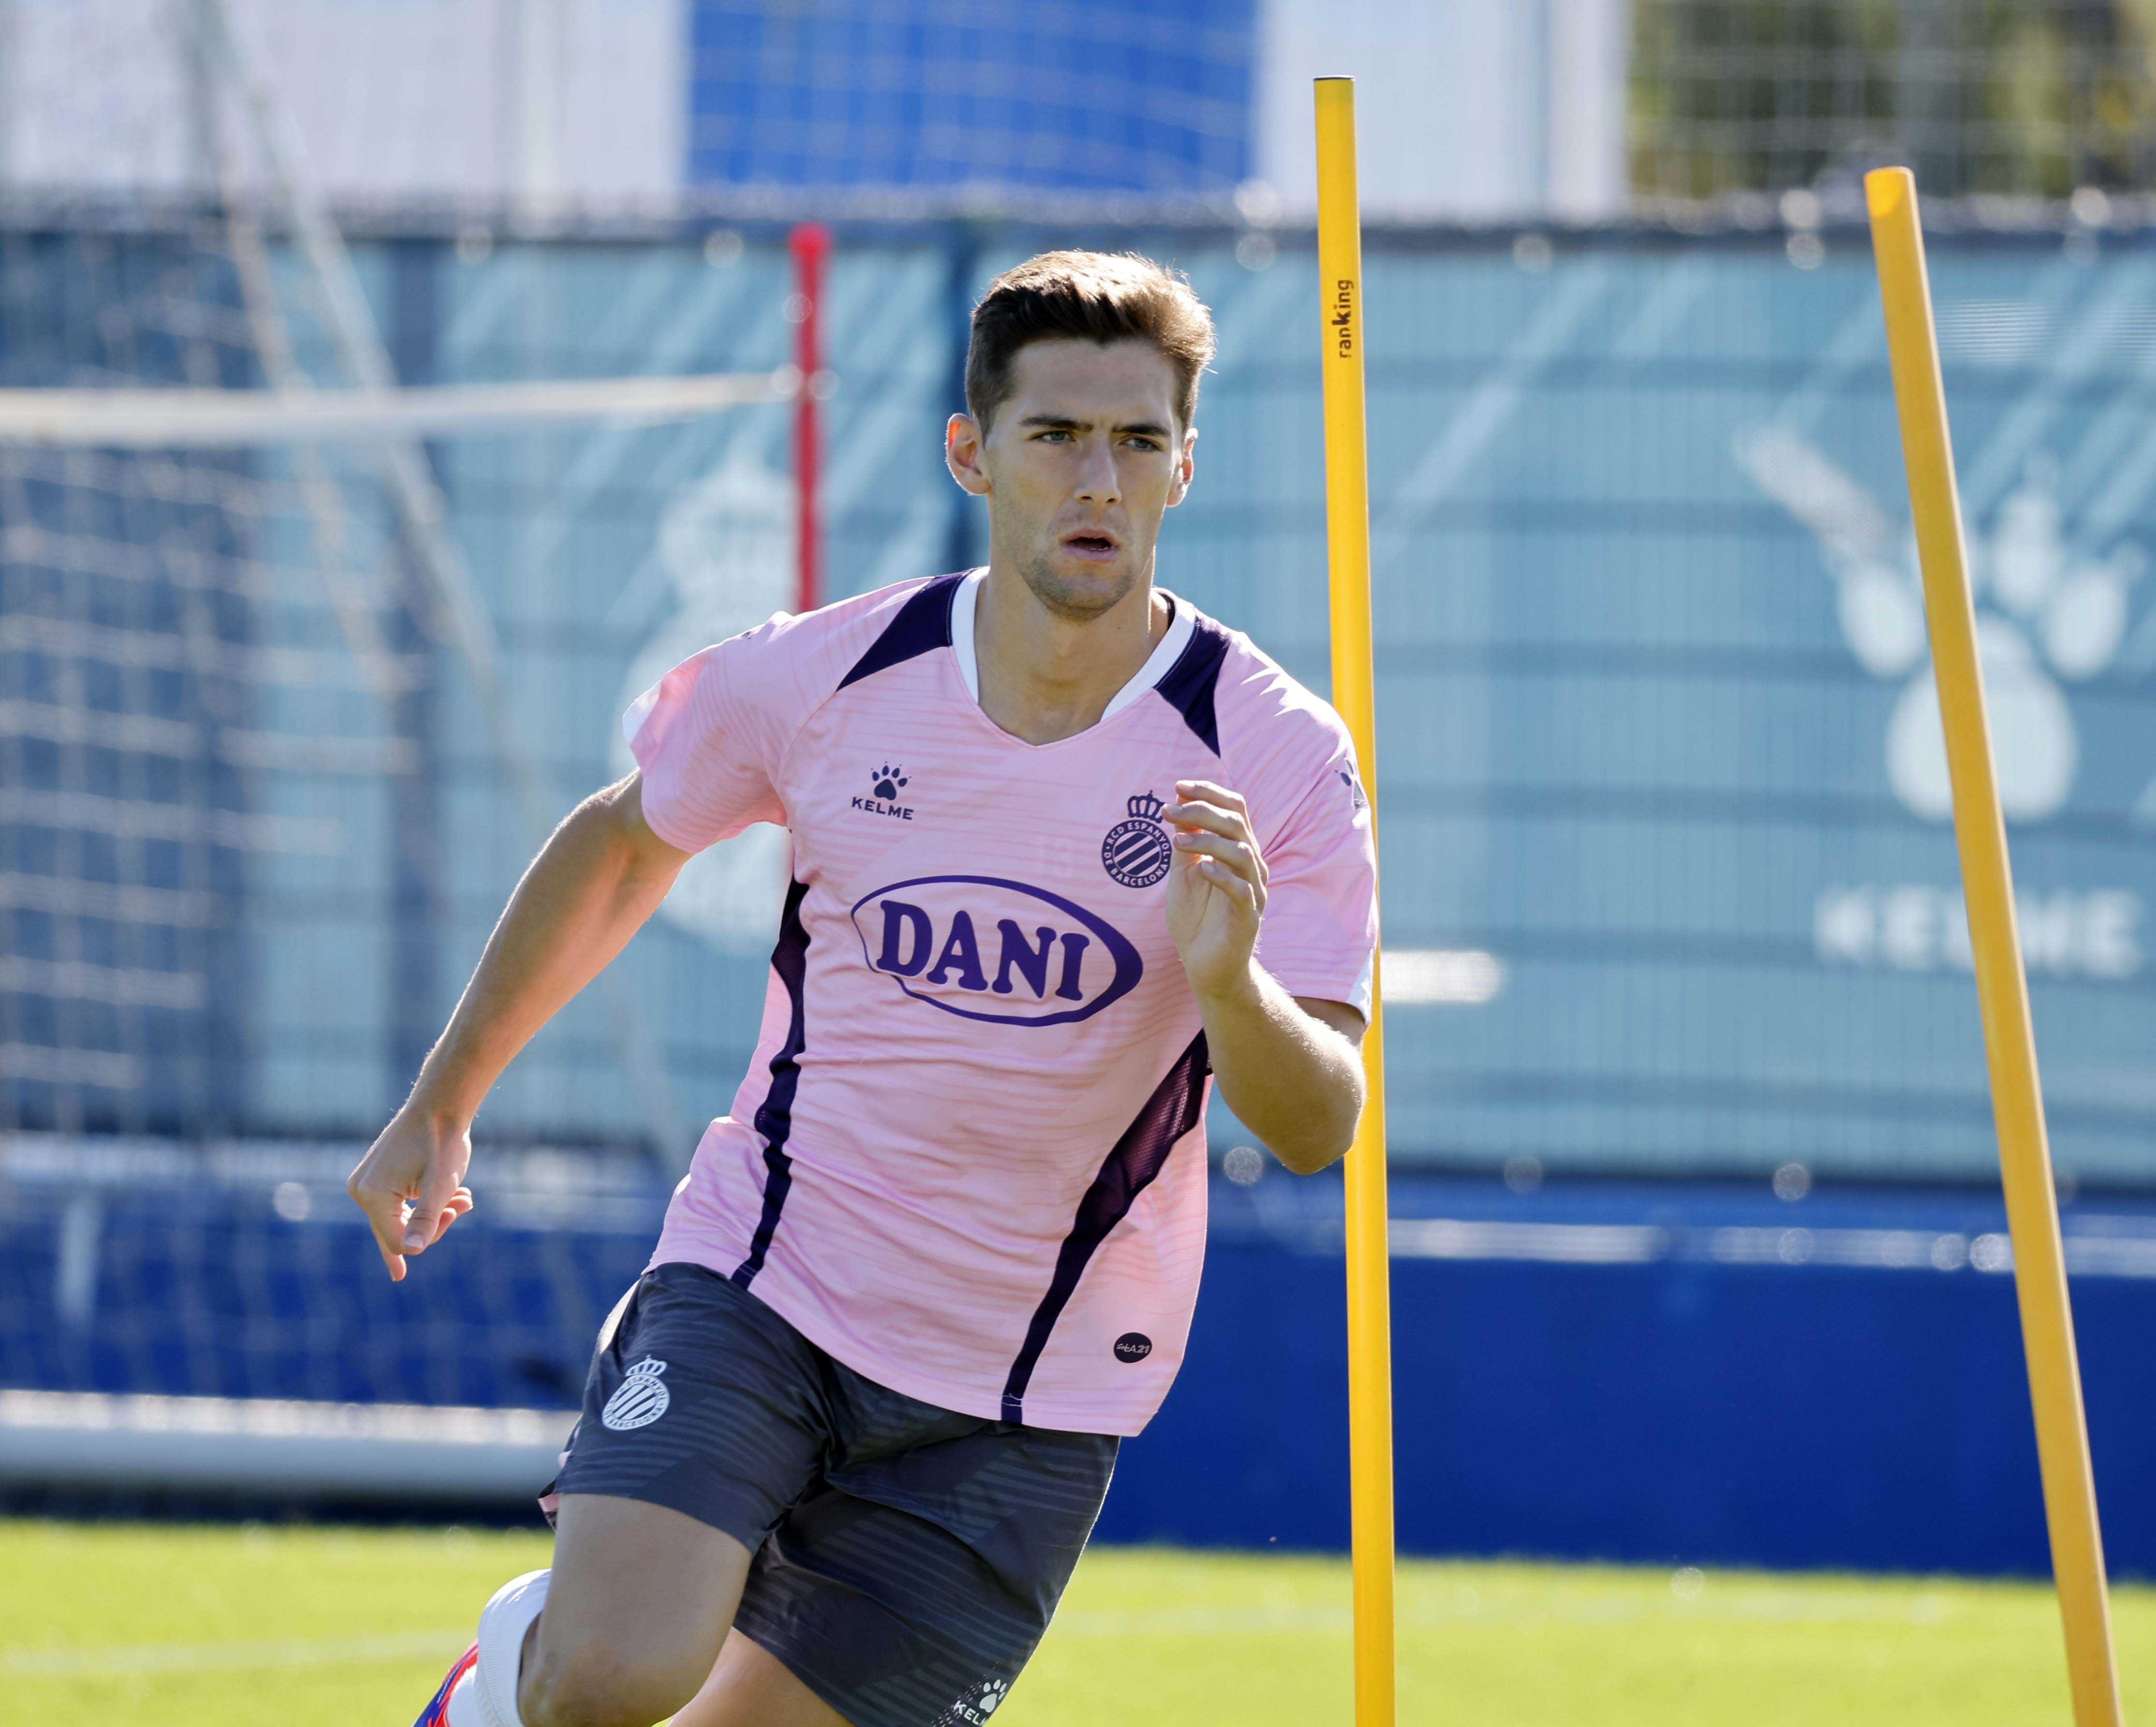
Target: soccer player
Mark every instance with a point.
(1063, 848)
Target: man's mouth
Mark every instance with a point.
(1094, 548)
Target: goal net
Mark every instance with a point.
(300, 668)
(255, 819)
(326, 574)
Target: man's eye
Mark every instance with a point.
(1143, 443)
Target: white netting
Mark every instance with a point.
(558, 107)
(173, 624)
(236, 719)
(405, 101)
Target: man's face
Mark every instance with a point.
(1080, 461)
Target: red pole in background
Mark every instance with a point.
(810, 245)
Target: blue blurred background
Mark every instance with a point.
(1654, 770)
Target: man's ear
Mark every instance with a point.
(1185, 469)
(962, 442)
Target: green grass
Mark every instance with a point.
(336, 1627)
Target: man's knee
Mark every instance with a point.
(568, 1681)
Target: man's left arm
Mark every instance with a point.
(1288, 1065)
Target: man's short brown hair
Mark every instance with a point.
(1086, 296)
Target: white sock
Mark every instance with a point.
(487, 1697)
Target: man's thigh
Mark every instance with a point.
(751, 1688)
(638, 1607)
(702, 1423)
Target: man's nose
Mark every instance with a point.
(1098, 481)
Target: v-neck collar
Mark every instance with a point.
(1180, 626)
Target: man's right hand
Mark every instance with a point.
(600, 874)
(411, 1185)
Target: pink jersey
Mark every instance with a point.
(969, 1158)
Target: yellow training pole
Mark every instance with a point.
(2017, 1103)
(1347, 543)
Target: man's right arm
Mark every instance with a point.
(599, 876)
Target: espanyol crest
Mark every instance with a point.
(639, 1401)
(1136, 852)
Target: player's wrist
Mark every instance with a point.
(1233, 987)
(438, 1109)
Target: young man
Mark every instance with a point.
(1062, 847)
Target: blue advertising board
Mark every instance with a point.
(1670, 886)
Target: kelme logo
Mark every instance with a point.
(985, 948)
(885, 784)
(975, 1706)
(2053, 609)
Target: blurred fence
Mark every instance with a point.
(240, 1270)
(1670, 1373)
(1665, 850)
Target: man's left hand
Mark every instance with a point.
(1216, 889)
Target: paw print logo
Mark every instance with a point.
(2046, 615)
(887, 780)
(992, 1693)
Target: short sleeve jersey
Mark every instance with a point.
(967, 1160)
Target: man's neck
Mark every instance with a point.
(1044, 677)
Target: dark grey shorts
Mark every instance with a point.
(907, 1559)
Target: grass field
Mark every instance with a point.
(298, 1626)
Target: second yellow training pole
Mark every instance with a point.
(2017, 1101)
(1347, 544)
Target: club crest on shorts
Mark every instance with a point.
(639, 1401)
(1136, 852)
